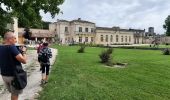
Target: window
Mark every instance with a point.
(66, 29)
(117, 38)
(101, 38)
(80, 29)
(129, 39)
(86, 39)
(121, 38)
(80, 39)
(86, 30)
(125, 38)
(106, 38)
(111, 38)
(92, 30)
(92, 39)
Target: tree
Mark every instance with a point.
(166, 26)
(27, 11)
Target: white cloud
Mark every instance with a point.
(124, 13)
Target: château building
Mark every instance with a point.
(81, 31)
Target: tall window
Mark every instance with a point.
(86, 39)
(80, 39)
(92, 30)
(66, 29)
(106, 38)
(80, 29)
(125, 38)
(117, 38)
(92, 39)
(111, 38)
(129, 39)
(86, 30)
(101, 38)
(121, 38)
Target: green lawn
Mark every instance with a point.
(81, 77)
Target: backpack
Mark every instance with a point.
(43, 58)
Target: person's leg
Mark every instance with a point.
(14, 93)
(43, 71)
(47, 72)
(14, 97)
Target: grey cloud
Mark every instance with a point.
(123, 13)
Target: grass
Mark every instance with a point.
(81, 77)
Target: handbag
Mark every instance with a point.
(20, 76)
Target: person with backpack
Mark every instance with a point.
(44, 57)
(10, 57)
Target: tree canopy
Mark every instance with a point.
(27, 12)
(166, 26)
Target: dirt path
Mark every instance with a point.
(34, 76)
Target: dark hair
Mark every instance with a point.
(45, 44)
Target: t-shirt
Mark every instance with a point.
(5, 60)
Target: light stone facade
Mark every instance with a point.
(80, 31)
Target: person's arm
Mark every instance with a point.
(20, 57)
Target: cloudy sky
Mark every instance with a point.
(138, 14)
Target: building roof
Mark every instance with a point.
(62, 20)
(43, 34)
(119, 29)
(37, 33)
(82, 21)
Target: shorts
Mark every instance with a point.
(45, 68)
(11, 89)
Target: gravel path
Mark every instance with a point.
(34, 76)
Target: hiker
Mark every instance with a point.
(40, 46)
(44, 57)
(11, 57)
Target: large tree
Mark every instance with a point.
(27, 11)
(166, 26)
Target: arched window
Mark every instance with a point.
(111, 38)
(117, 38)
(125, 38)
(101, 38)
(129, 39)
(121, 38)
(106, 38)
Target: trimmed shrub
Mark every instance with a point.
(166, 51)
(82, 49)
(106, 56)
(110, 50)
(166, 43)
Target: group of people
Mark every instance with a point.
(11, 56)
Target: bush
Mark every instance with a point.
(166, 43)
(166, 51)
(82, 49)
(106, 56)
(110, 50)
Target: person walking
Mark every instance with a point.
(9, 52)
(44, 57)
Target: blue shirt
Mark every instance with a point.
(8, 60)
